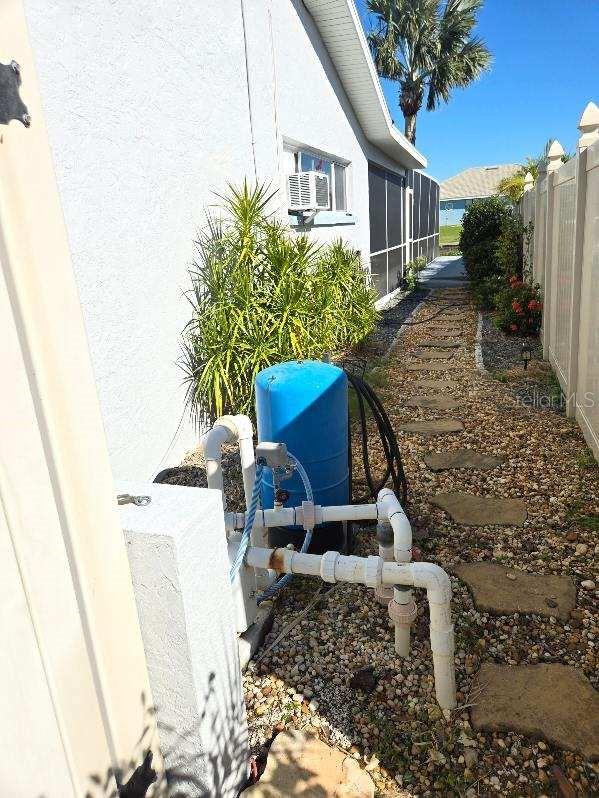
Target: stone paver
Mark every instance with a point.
(504, 591)
(471, 510)
(434, 333)
(452, 318)
(432, 367)
(436, 385)
(433, 354)
(301, 764)
(553, 701)
(436, 402)
(434, 426)
(440, 344)
(445, 330)
(462, 458)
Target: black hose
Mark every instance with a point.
(394, 469)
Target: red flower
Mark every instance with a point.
(513, 327)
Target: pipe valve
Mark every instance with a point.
(402, 614)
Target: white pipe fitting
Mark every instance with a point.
(402, 611)
(241, 430)
(390, 507)
(211, 444)
(339, 568)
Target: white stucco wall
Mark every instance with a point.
(148, 115)
(313, 109)
(146, 108)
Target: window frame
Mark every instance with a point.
(334, 162)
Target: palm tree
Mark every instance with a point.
(428, 48)
(513, 187)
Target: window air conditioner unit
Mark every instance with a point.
(308, 191)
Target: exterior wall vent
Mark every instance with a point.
(308, 191)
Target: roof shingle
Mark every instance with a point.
(478, 181)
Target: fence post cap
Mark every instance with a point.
(554, 156)
(528, 181)
(589, 126)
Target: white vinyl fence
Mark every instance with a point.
(564, 253)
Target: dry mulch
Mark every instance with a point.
(397, 731)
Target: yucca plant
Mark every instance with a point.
(260, 296)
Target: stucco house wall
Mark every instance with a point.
(151, 108)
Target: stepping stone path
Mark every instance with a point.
(446, 329)
(435, 402)
(436, 385)
(553, 701)
(432, 367)
(503, 591)
(300, 764)
(435, 333)
(433, 354)
(451, 318)
(471, 510)
(462, 458)
(434, 427)
(441, 344)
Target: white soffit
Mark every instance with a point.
(342, 33)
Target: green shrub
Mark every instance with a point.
(260, 296)
(485, 291)
(482, 223)
(482, 262)
(519, 307)
(510, 245)
(412, 273)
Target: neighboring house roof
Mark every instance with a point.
(479, 181)
(342, 33)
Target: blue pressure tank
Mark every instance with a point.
(304, 405)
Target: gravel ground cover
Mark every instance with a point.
(334, 670)
(535, 387)
(393, 317)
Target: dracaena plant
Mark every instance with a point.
(260, 295)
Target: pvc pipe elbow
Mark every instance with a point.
(239, 426)
(212, 441)
(434, 579)
(390, 508)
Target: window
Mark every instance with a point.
(312, 162)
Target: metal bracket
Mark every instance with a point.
(11, 104)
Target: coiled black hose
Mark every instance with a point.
(394, 469)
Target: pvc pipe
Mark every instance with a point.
(389, 507)
(402, 610)
(373, 571)
(241, 430)
(211, 444)
(294, 516)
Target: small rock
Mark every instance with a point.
(372, 765)
(588, 584)
(581, 549)
(470, 758)
(364, 679)
(511, 576)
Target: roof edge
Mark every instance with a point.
(382, 132)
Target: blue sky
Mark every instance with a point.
(545, 70)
